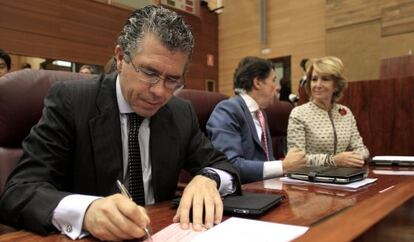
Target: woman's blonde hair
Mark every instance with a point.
(328, 65)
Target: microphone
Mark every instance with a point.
(293, 98)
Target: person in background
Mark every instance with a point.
(5, 63)
(303, 63)
(238, 126)
(26, 66)
(326, 130)
(87, 69)
(125, 126)
(285, 89)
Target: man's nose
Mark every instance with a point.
(158, 88)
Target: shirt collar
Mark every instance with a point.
(122, 104)
(250, 102)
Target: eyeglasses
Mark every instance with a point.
(153, 78)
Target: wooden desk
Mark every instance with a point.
(334, 215)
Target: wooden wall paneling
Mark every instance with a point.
(398, 19)
(355, 34)
(401, 66)
(295, 28)
(69, 30)
(383, 111)
(205, 31)
(342, 13)
(403, 131)
(65, 30)
(23, 43)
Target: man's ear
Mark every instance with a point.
(257, 84)
(119, 56)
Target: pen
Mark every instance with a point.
(125, 193)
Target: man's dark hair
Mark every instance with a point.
(165, 24)
(6, 58)
(248, 69)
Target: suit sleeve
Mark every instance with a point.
(31, 193)
(225, 131)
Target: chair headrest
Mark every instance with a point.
(278, 117)
(203, 102)
(21, 101)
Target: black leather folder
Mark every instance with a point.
(248, 203)
(338, 175)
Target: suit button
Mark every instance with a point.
(68, 228)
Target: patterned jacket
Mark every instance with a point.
(323, 134)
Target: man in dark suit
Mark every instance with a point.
(239, 127)
(87, 139)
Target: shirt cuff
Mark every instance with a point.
(226, 182)
(272, 169)
(68, 215)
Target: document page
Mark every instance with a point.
(391, 158)
(392, 172)
(248, 230)
(352, 185)
(174, 233)
(233, 229)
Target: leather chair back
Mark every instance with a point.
(278, 118)
(21, 103)
(203, 102)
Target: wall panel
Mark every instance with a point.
(85, 31)
(295, 28)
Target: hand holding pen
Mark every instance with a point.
(116, 218)
(125, 192)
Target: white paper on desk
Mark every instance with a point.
(391, 158)
(352, 185)
(174, 233)
(248, 230)
(391, 172)
(274, 183)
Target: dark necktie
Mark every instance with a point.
(136, 183)
(260, 117)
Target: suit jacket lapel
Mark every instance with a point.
(250, 122)
(106, 137)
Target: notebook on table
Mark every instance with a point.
(337, 175)
(248, 203)
(392, 160)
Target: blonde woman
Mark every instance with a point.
(326, 130)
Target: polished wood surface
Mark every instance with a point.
(397, 67)
(384, 114)
(332, 214)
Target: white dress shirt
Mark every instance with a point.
(271, 169)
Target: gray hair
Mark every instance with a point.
(165, 24)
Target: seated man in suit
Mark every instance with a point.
(124, 126)
(238, 126)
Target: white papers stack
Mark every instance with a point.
(233, 229)
(392, 172)
(393, 158)
(352, 185)
(248, 230)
